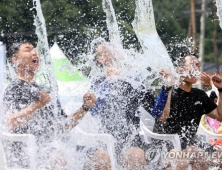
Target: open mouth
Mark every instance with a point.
(36, 61)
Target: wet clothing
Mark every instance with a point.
(186, 110)
(157, 110)
(43, 124)
(117, 106)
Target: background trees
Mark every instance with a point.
(73, 24)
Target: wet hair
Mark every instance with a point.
(213, 95)
(181, 61)
(94, 48)
(95, 44)
(14, 48)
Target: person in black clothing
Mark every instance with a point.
(213, 96)
(117, 106)
(29, 110)
(185, 106)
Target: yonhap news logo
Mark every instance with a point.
(154, 155)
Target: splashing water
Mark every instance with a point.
(133, 65)
(114, 35)
(153, 48)
(46, 73)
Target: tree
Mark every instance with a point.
(75, 23)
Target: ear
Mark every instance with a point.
(101, 60)
(179, 70)
(14, 59)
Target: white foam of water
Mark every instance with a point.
(155, 53)
(46, 74)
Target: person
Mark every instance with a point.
(29, 110)
(117, 106)
(213, 96)
(185, 106)
(210, 124)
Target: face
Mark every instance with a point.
(190, 70)
(105, 56)
(26, 58)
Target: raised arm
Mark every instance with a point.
(89, 100)
(166, 110)
(206, 79)
(161, 107)
(16, 120)
(217, 113)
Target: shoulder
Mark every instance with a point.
(198, 91)
(126, 86)
(98, 80)
(14, 86)
(12, 92)
(18, 88)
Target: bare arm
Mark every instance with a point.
(206, 79)
(16, 120)
(166, 110)
(89, 100)
(166, 74)
(76, 117)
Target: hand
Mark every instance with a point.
(167, 77)
(206, 79)
(165, 73)
(217, 81)
(113, 71)
(89, 99)
(43, 98)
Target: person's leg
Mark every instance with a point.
(100, 160)
(216, 159)
(198, 159)
(175, 163)
(57, 160)
(191, 155)
(134, 158)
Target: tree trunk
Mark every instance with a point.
(193, 21)
(216, 53)
(202, 33)
(189, 28)
(202, 36)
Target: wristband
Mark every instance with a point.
(219, 89)
(85, 108)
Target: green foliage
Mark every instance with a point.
(76, 23)
(171, 18)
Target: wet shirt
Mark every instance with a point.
(186, 110)
(117, 106)
(43, 123)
